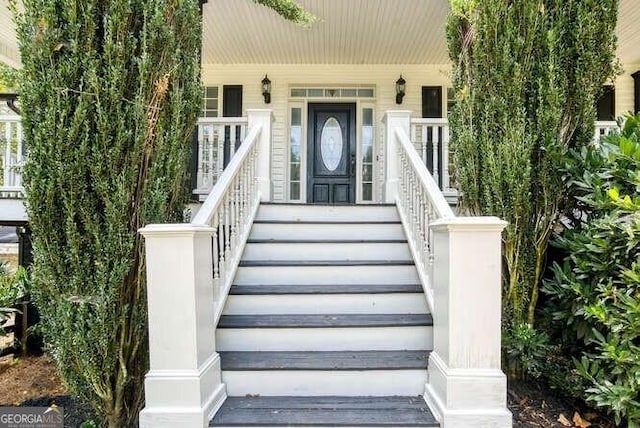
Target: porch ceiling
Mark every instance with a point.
(352, 32)
(349, 32)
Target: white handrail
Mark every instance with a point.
(458, 262)
(190, 269)
(420, 202)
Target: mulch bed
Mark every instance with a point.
(33, 381)
(535, 405)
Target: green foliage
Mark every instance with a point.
(594, 295)
(13, 286)
(110, 92)
(526, 76)
(525, 349)
(289, 10)
(8, 77)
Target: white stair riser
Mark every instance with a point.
(327, 251)
(325, 339)
(405, 303)
(343, 231)
(325, 382)
(397, 274)
(327, 213)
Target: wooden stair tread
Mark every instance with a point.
(324, 360)
(326, 241)
(324, 412)
(338, 222)
(324, 320)
(324, 289)
(254, 263)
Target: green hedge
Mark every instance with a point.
(594, 294)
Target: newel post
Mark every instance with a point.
(183, 386)
(467, 387)
(394, 119)
(263, 117)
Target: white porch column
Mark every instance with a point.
(466, 385)
(183, 387)
(394, 119)
(263, 117)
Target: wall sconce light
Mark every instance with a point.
(400, 89)
(266, 89)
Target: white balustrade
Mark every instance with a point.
(190, 268)
(430, 136)
(604, 128)
(218, 140)
(459, 264)
(12, 156)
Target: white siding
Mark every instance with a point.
(624, 89)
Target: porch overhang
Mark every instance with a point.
(352, 32)
(348, 32)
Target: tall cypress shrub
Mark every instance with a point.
(527, 74)
(110, 92)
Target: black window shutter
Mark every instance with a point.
(606, 105)
(636, 91)
(432, 101)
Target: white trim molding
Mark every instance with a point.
(466, 386)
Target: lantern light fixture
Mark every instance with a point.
(266, 89)
(400, 89)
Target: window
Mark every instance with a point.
(606, 105)
(333, 92)
(368, 132)
(295, 148)
(432, 101)
(210, 102)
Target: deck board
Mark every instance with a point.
(325, 289)
(324, 320)
(324, 412)
(325, 360)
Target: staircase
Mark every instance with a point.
(326, 323)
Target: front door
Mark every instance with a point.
(331, 156)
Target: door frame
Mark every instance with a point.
(313, 106)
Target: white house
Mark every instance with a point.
(325, 280)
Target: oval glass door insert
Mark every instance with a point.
(331, 144)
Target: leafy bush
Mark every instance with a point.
(524, 350)
(594, 295)
(13, 286)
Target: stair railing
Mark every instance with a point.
(420, 202)
(12, 156)
(229, 210)
(218, 140)
(459, 264)
(190, 268)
